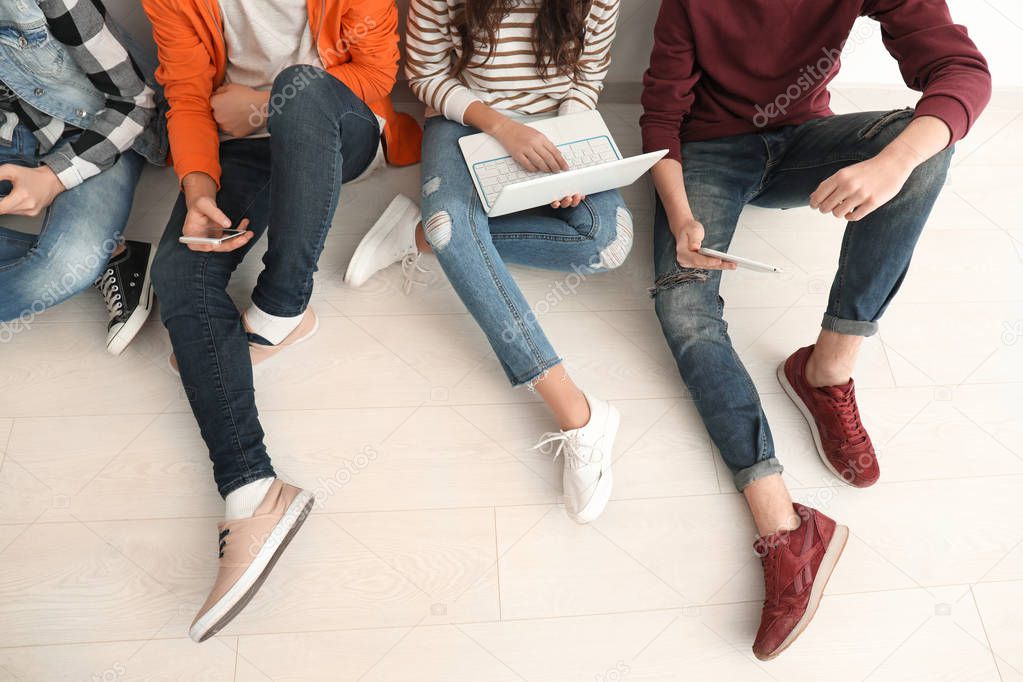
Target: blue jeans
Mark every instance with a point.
(473, 249)
(80, 230)
(780, 169)
(321, 136)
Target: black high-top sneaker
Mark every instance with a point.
(128, 293)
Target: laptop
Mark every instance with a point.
(595, 162)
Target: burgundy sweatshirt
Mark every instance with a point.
(727, 67)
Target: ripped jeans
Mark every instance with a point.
(473, 249)
(780, 169)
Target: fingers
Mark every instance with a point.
(208, 208)
(549, 157)
(559, 160)
(230, 245)
(236, 243)
(862, 211)
(823, 191)
(689, 259)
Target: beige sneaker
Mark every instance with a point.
(307, 326)
(249, 548)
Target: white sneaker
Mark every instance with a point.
(587, 451)
(391, 239)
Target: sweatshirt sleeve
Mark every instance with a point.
(186, 72)
(373, 48)
(428, 62)
(937, 58)
(601, 25)
(668, 83)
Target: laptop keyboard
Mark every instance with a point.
(495, 175)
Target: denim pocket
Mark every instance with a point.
(875, 127)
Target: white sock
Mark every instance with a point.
(242, 502)
(272, 328)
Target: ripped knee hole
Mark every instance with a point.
(614, 254)
(681, 276)
(437, 229)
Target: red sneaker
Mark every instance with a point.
(835, 423)
(797, 566)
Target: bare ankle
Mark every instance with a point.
(819, 374)
(421, 243)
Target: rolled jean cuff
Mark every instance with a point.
(848, 327)
(762, 469)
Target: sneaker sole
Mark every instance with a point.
(242, 592)
(805, 411)
(355, 275)
(602, 495)
(130, 329)
(827, 567)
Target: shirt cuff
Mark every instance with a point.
(655, 139)
(459, 101)
(65, 170)
(948, 109)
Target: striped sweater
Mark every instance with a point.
(509, 80)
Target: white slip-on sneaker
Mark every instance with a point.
(587, 450)
(392, 239)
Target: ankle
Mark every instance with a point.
(577, 417)
(242, 502)
(421, 243)
(820, 373)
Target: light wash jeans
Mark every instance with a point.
(80, 230)
(780, 169)
(473, 248)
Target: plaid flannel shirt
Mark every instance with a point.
(83, 28)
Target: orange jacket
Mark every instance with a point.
(357, 42)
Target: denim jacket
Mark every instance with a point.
(36, 67)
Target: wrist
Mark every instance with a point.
(679, 215)
(498, 125)
(50, 178)
(197, 185)
(901, 156)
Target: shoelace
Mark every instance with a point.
(223, 540)
(568, 445)
(410, 265)
(845, 407)
(107, 285)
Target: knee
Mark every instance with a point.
(437, 228)
(687, 308)
(612, 254)
(929, 177)
(439, 211)
(298, 94)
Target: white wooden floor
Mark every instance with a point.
(439, 550)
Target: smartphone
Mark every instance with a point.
(740, 261)
(5, 188)
(212, 236)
